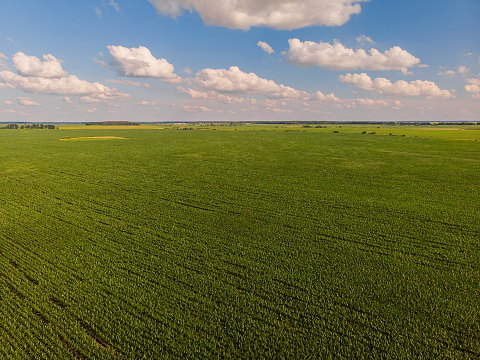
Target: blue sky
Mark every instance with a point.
(184, 60)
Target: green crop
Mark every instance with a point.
(265, 242)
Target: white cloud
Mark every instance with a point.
(5, 85)
(27, 102)
(3, 64)
(187, 70)
(338, 57)
(90, 100)
(322, 97)
(191, 108)
(139, 62)
(16, 112)
(68, 85)
(447, 73)
(66, 99)
(27, 65)
(195, 94)
(372, 103)
(100, 62)
(234, 80)
(278, 14)
(473, 81)
(213, 95)
(278, 110)
(8, 102)
(468, 54)
(463, 69)
(98, 12)
(265, 47)
(10, 39)
(146, 103)
(400, 88)
(125, 82)
(362, 39)
(115, 5)
(473, 88)
(227, 99)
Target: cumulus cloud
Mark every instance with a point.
(278, 14)
(196, 94)
(213, 95)
(400, 88)
(145, 103)
(279, 110)
(187, 70)
(191, 108)
(447, 73)
(473, 87)
(68, 85)
(372, 103)
(463, 70)
(227, 85)
(139, 62)
(362, 39)
(338, 57)
(322, 97)
(3, 64)
(27, 102)
(234, 80)
(16, 112)
(126, 82)
(90, 100)
(27, 65)
(473, 81)
(265, 47)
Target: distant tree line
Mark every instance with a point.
(32, 126)
(117, 123)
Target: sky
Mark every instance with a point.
(230, 60)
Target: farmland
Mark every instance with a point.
(256, 241)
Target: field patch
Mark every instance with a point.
(86, 138)
(240, 244)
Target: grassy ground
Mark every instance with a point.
(256, 242)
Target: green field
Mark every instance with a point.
(254, 241)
